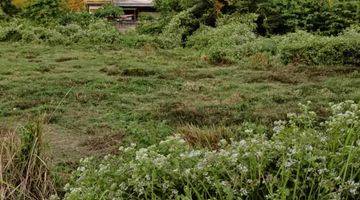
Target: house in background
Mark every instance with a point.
(93, 5)
(131, 8)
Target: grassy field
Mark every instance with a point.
(93, 99)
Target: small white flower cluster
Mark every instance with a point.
(279, 126)
(323, 158)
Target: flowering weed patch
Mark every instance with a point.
(302, 159)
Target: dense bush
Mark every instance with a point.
(152, 25)
(310, 49)
(99, 32)
(275, 16)
(307, 48)
(303, 159)
(219, 42)
(188, 17)
(328, 17)
(44, 10)
(6, 7)
(110, 11)
(229, 32)
(178, 29)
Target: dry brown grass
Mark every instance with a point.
(24, 173)
(204, 137)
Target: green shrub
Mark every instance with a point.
(303, 159)
(283, 16)
(219, 42)
(229, 32)
(7, 8)
(152, 25)
(44, 10)
(180, 26)
(11, 34)
(99, 32)
(109, 10)
(217, 55)
(311, 49)
(307, 48)
(276, 16)
(82, 19)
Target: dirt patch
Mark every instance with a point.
(104, 144)
(70, 147)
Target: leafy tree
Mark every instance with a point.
(328, 17)
(110, 11)
(43, 10)
(8, 8)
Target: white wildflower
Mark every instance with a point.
(249, 131)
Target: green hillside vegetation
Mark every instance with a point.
(210, 99)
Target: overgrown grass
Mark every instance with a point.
(24, 169)
(94, 97)
(147, 94)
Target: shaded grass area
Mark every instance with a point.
(91, 97)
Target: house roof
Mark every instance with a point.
(134, 3)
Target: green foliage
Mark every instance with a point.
(327, 17)
(168, 6)
(52, 13)
(80, 18)
(6, 7)
(310, 49)
(98, 32)
(217, 55)
(109, 11)
(219, 42)
(189, 15)
(180, 26)
(229, 32)
(152, 25)
(276, 16)
(307, 48)
(303, 159)
(44, 10)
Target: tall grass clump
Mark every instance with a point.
(301, 158)
(24, 173)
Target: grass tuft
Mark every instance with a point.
(204, 137)
(24, 172)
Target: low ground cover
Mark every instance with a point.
(147, 93)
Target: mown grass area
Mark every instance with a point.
(92, 99)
